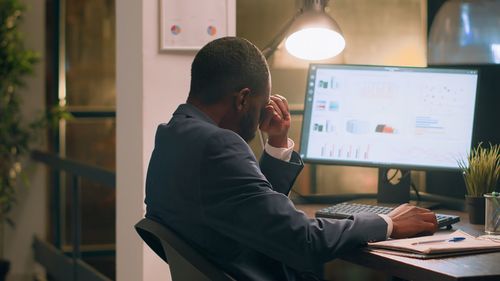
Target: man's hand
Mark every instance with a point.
(276, 121)
(410, 221)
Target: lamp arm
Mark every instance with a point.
(269, 50)
(271, 47)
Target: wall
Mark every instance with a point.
(30, 213)
(129, 175)
(150, 86)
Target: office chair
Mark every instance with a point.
(184, 261)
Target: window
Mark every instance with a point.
(81, 75)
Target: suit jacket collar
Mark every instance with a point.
(190, 110)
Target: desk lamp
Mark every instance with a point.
(311, 34)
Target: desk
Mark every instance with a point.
(471, 267)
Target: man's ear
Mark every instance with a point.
(241, 99)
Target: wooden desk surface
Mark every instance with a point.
(470, 267)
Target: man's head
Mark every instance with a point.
(231, 74)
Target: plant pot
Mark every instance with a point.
(4, 269)
(475, 208)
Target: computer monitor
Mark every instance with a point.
(388, 117)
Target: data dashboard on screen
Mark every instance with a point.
(397, 117)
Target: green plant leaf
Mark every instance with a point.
(481, 169)
(16, 135)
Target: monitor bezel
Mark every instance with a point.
(336, 162)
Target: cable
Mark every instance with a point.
(262, 140)
(389, 179)
(403, 174)
(416, 191)
(299, 195)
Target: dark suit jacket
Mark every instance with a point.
(205, 183)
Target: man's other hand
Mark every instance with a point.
(276, 121)
(411, 221)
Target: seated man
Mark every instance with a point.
(204, 181)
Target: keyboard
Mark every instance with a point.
(347, 209)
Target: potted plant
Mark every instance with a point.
(15, 135)
(481, 171)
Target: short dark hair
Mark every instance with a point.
(227, 65)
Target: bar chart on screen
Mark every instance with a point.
(345, 151)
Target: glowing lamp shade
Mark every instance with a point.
(311, 35)
(315, 43)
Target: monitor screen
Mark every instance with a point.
(395, 117)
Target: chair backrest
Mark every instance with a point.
(185, 262)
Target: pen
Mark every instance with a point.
(454, 239)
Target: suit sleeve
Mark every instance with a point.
(280, 174)
(240, 203)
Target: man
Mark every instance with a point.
(204, 181)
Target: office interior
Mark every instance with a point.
(102, 61)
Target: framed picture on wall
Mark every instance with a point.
(190, 24)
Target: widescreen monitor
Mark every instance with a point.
(392, 117)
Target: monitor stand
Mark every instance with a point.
(393, 188)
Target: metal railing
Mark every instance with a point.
(57, 263)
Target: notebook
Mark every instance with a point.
(436, 246)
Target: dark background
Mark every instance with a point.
(486, 123)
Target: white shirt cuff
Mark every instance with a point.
(388, 220)
(280, 153)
